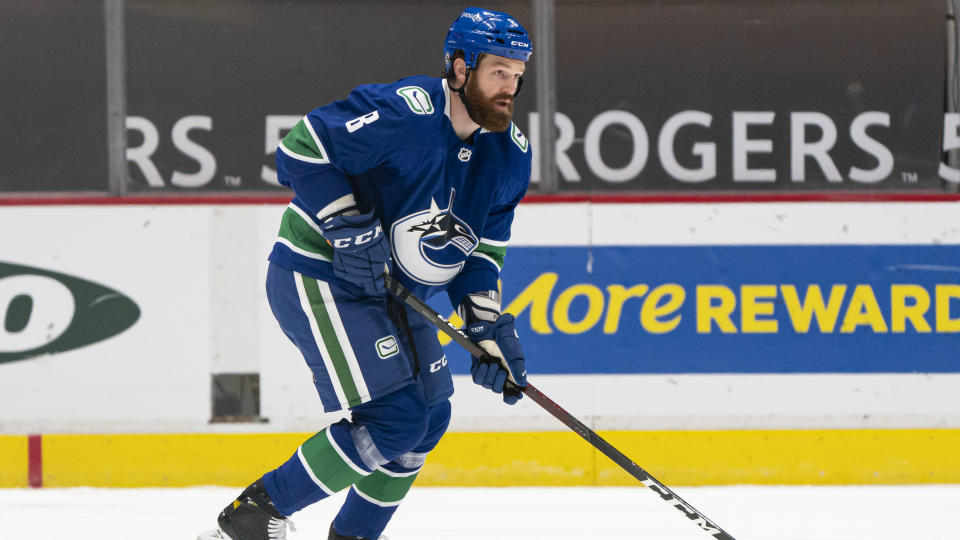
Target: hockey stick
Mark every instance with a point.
(665, 493)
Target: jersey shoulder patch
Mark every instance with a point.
(417, 99)
(518, 138)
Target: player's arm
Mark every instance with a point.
(304, 165)
(331, 143)
(475, 292)
(315, 159)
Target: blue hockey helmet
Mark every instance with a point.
(478, 31)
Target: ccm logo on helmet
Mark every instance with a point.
(520, 44)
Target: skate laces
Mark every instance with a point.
(277, 528)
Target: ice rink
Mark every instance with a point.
(746, 512)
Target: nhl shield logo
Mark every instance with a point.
(431, 246)
(465, 154)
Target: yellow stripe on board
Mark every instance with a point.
(510, 459)
(513, 459)
(13, 461)
(789, 457)
(694, 458)
(172, 460)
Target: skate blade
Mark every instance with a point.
(215, 534)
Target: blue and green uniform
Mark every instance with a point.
(446, 206)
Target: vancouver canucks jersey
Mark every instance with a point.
(445, 204)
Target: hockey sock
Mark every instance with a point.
(374, 498)
(323, 465)
(372, 502)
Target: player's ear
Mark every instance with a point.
(460, 68)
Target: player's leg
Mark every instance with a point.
(349, 342)
(381, 431)
(351, 346)
(343, 453)
(357, 362)
(373, 499)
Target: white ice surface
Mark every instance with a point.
(746, 512)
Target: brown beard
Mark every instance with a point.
(484, 111)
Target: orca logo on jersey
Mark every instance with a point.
(44, 312)
(432, 245)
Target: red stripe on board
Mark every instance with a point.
(694, 198)
(143, 200)
(35, 460)
(567, 197)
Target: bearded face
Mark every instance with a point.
(491, 112)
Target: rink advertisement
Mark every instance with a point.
(756, 96)
(797, 343)
(736, 309)
(636, 110)
(48, 312)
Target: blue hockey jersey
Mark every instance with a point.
(445, 204)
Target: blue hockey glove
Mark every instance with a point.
(505, 361)
(361, 251)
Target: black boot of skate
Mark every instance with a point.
(334, 535)
(251, 517)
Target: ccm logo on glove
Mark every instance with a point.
(361, 251)
(358, 240)
(505, 359)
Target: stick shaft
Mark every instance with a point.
(558, 412)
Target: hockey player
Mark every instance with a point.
(418, 179)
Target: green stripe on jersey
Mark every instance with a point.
(295, 229)
(326, 463)
(389, 490)
(300, 141)
(333, 345)
(497, 253)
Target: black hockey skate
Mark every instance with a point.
(251, 517)
(334, 535)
